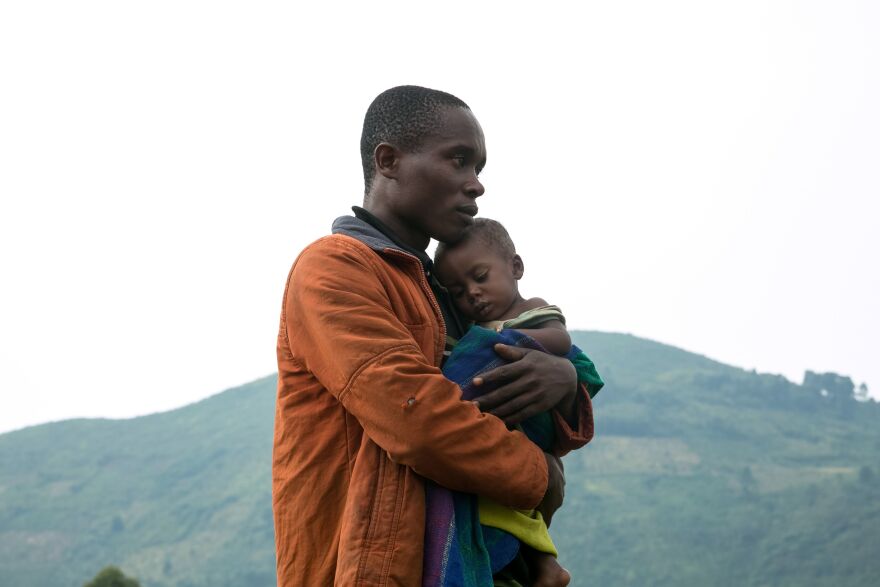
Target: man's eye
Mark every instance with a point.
(459, 160)
(481, 277)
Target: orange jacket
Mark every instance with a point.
(364, 414)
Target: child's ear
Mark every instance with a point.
(386, 159)
(517, 266)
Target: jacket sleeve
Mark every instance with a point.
(568, 438)
(339, 322)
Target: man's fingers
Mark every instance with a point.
(491, 400)
(515, 404)
(499, 374)
(519, 409)
(505, 372)
(514, 399)
(502, 373)
(520, 416)
(511, 353)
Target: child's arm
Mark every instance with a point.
(552, 335)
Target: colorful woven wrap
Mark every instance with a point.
(459, 552)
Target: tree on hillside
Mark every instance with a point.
(112, 577)
(829, 384)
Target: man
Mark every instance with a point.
(364, 414)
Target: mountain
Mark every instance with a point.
(700, 474)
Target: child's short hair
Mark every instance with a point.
(490, 232)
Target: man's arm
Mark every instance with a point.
(339, 322)
(555, 491)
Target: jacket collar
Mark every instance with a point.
(374, 233)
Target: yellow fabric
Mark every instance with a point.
(527, 525)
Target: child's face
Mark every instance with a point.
(482, 282)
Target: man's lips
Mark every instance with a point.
(469, 210)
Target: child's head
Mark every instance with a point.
(481, 271)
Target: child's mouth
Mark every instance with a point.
(481, 308)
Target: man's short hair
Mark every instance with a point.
(490, 232)
(402, 116)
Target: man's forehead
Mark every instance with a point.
(458, 123)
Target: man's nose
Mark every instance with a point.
(474, 187)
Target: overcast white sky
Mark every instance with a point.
(712, 167)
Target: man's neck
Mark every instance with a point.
(369, 217)
(403, 233)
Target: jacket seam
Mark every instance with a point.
(369, 362)
(283, 325)
(371, 527)
(395, 524)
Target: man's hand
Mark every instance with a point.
(533, 382)
(555, 488)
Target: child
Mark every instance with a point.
(481, 272)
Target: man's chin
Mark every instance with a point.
(452, 236)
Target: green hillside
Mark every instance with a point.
(703, 474)
(700, 474)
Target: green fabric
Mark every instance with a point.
(586, 371)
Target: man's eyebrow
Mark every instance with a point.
(462, 148)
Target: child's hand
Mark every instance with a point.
(531, 383)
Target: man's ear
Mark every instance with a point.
(386, 159)
(518, 267)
